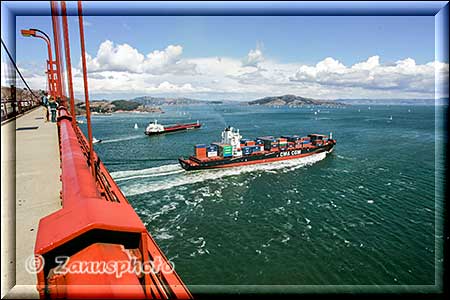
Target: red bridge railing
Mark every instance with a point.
(96, 229)
(96, 221)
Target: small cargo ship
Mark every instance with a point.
(235, 151)
(154, 128)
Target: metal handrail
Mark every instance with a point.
(16, 108)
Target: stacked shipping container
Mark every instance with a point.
(225, 150)
(212, 150)
(200, 150)
(248, 146)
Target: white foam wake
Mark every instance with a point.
(149, 172)
(123, 139)
(191, 177)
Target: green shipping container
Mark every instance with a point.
(225, 150)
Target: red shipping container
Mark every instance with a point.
(200, 152)
(250, 143)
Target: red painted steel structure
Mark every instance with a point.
(85, 82)
(51, 81)
(57, 43)
(68, 60)
(97, 224)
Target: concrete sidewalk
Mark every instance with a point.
(37, 186)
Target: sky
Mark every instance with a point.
(245, 58)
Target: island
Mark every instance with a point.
(149, 100)
(116, 106)
(293, 101)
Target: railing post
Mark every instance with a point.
(13, 100)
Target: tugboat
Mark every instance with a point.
(154, 128)
(234, 151)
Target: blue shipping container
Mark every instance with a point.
(246, 150)
(267, 138)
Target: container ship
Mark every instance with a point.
(235, 151)
(154, 128)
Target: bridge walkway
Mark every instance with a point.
(30, 168)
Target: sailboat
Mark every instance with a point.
(136, 126)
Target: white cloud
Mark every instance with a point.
(167, 87)
(111, 57)
(167, 61)
(403, 76)
(254, 57)
(120, 69)
(115, 58)
(7, 77)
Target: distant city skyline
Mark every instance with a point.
(243, 58)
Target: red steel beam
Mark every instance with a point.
(56, 37)
(86, 89)
(68, 61)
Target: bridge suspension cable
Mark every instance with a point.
(17, 69)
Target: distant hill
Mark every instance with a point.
(440, 101)
(114, 106)
(292, 100)
(149, 100)
(21, 93)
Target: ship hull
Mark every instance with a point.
(174, 129)
(192, 163)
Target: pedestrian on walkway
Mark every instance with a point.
(53, 105)
(44, 102)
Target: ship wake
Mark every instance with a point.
(143, 181)
(127, 138)
(146, 173)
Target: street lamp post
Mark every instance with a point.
(51, 78)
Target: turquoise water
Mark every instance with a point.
(364, 215)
